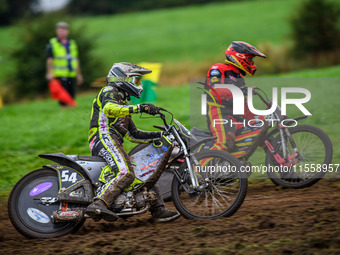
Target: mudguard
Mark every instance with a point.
(88, 166)
(199, 143)
(64, 160)
(73, 186)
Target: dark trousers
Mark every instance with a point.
(69, 85)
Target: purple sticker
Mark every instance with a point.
(40, 188)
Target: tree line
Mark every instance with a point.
(12, 10)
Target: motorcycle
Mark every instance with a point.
(296, 156)
(52, 201)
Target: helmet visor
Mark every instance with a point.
(136, 79)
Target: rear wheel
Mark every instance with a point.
(224, 191)
(29, 215)
(316, 152)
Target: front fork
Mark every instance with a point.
(192, 172)
(283, 142)
(286, 160)
(189, 172)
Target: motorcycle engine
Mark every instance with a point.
(129, 201)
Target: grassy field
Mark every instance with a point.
(329, 72)
(41, 127)
(192, 34)
(189, 33)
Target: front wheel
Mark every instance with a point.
(28, 214)
(223, 186)
(315, 155)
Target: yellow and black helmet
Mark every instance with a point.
(127, 77)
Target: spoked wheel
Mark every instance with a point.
(28, 214)
(316, 152)
(223, 190)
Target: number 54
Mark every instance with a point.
(65, 177)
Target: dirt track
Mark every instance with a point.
(271, 221)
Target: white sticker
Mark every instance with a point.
(215, 72)
(38, 215)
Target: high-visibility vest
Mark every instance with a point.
(60, 66)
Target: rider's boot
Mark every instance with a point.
(98, 208)
(159, 212)
(106, 196)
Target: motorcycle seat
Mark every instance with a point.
(91, 158)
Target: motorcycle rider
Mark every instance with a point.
(110, 123)
(238, 63)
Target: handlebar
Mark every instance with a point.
(162, 116)
(266, 102)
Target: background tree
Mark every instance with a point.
(316, 27)
(10, 10)
(99, 7)
(30, 56)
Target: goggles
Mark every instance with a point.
(137, 80)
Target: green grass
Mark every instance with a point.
(192, 33)
(328, 72)
(189, 33)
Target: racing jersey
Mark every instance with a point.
(112, 115)
(225, 74)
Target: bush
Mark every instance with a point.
(11, 10)
(315, 27)
(30, 56)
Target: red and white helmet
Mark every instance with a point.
(240, 54)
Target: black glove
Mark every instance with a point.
(149, 108)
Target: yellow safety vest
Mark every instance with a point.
(60, 59)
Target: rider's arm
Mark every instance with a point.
(219, 76)
(215, 77)
(136, 135)
(112, 108)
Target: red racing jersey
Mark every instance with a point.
(226, 74)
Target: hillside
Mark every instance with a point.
(190, 34)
